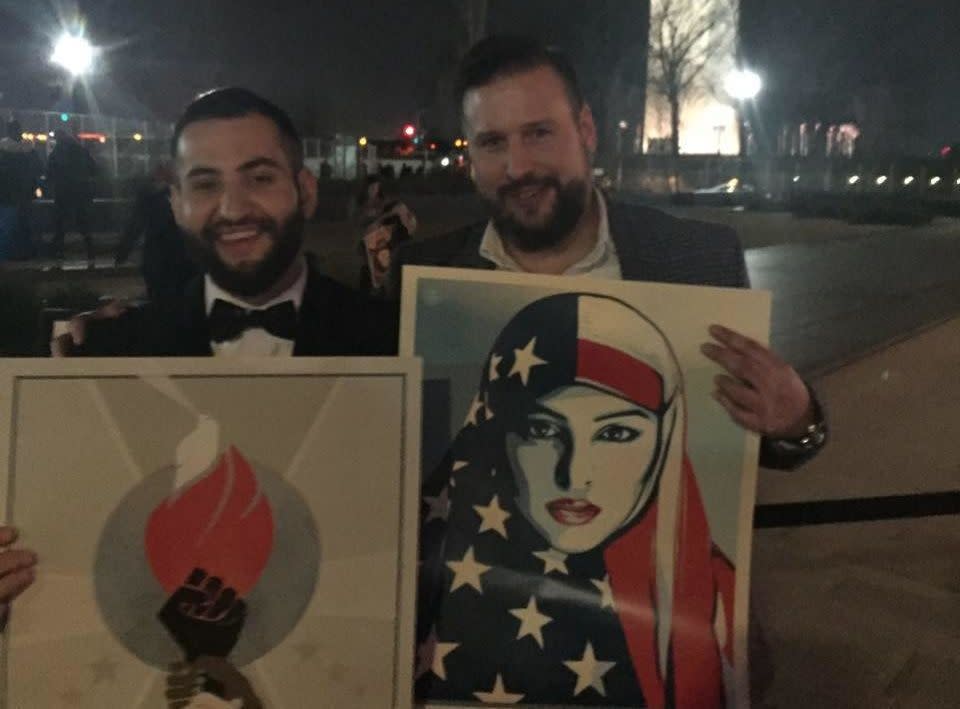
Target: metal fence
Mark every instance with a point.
(123, 147)
(126, 147)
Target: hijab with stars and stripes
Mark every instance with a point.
(644, 618)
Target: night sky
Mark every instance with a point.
(368, 67)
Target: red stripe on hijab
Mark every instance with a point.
(613, 369)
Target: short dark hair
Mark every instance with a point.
(498, 56)
(235, 102)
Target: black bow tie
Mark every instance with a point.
(229, 321)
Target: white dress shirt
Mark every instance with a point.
(601, 262)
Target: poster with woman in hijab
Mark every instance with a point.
(587, 505)
(212, 532)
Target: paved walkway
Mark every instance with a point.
(868, 614)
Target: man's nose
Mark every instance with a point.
(234, 203)
(519, 160)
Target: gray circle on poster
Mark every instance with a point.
(129, 596)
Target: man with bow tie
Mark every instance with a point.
(241, 195)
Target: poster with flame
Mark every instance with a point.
(212, 533)
(587, 507)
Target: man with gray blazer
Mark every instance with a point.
(532, 139)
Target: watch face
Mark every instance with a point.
(817, 434)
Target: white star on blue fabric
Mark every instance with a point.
(589, 671)
(494, 373)
(438, 506)
(553, 560)
(467, 572)
(524, 360)
(493, 517)
(498, 695)
(606, 592)
(531, 621)
(476, 406)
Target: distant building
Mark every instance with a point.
(708, 117)
(818, 140)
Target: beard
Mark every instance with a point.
(286, 240)
(569, 206)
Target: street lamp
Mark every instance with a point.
(742, 85)
(74, 53)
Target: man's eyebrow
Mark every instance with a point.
(207, 171)
(542, 123)
(487, 134)
(260, 162)
(202, 171)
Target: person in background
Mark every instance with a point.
(71, 171)
(20, 171)
(385, 225)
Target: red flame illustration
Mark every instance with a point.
(221, 523)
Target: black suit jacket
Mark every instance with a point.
(333, 321)
(651, 246)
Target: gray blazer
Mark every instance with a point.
(651, 246)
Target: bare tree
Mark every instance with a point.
(685, 36)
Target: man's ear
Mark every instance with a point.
(176, 201)
(307, 182)
(588, 129)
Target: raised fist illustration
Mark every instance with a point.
(203, 616)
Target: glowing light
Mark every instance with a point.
(363, 141)
(881, 180)
(466, 143)
(796, 178)
(743, 84)
(26, 136)
(458, 143)
(42, 137)
(138, 137)
(51, 134)
(409, 130)
(908, 180)
(623, 125)
(853, 179)
(74, 53)
(445, 162)
(958, 181)
(934, 181)
(64, 117)
(38, 193)
(732, 185)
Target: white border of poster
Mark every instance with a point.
(451, 318)
(87, 435)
